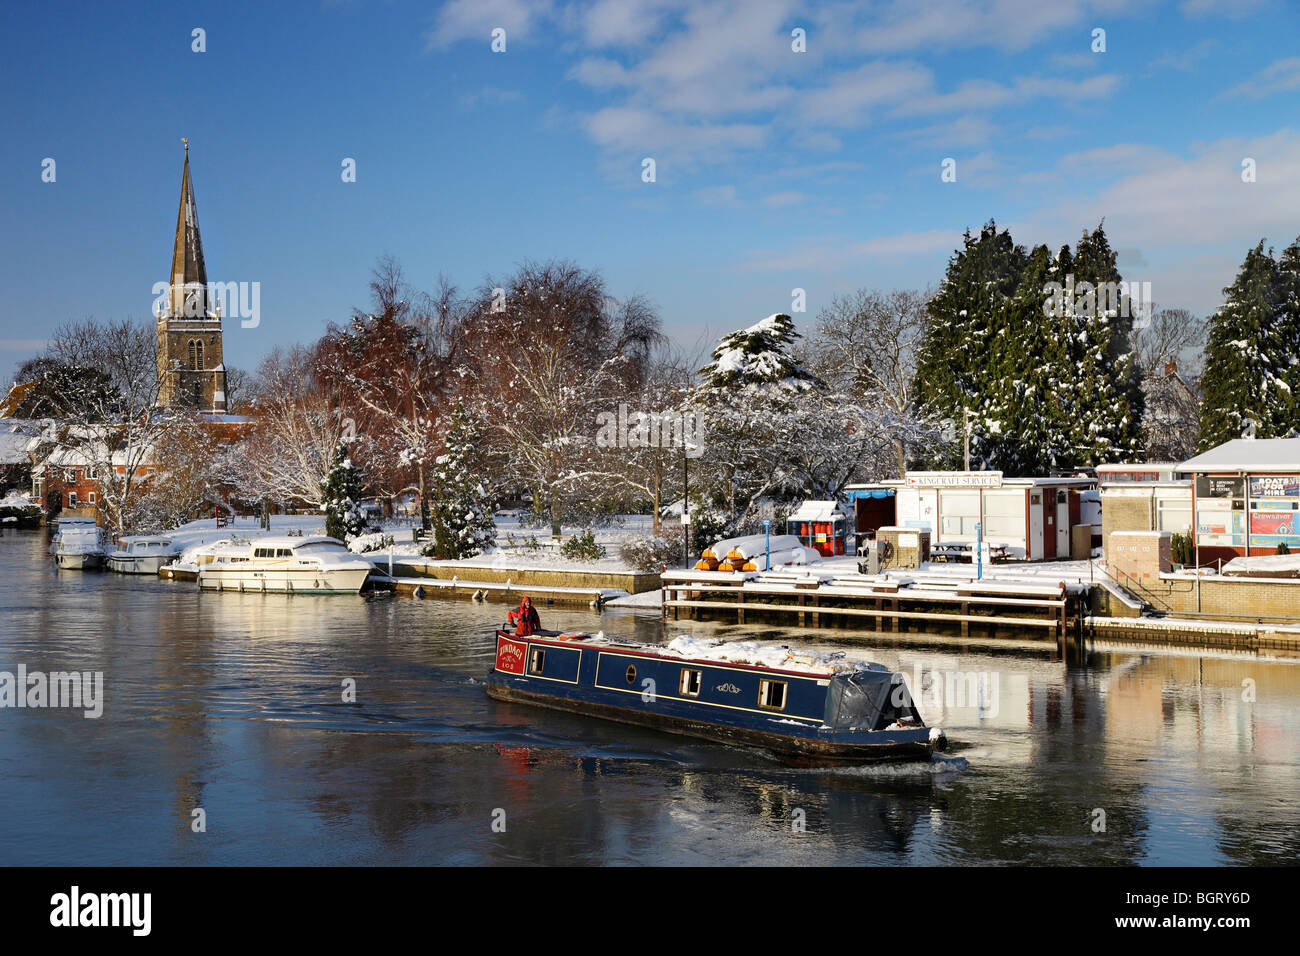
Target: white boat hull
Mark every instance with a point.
(284, 580)
(139, 563)
(79, 561)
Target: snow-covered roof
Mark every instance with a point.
(1248, 454)
(818, 511)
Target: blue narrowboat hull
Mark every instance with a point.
(788, 713)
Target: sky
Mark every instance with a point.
(775, 169)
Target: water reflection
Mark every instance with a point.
(234, 703)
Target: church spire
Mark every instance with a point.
(189, 277)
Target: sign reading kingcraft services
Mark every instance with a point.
(954, 479)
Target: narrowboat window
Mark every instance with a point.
(771, 694)
(537, 661)
(631, 673)
(690, 683)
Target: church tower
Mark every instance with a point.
(191, 371)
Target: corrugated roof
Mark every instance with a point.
(1248, 454)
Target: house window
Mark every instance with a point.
(771, 694)
(537, 661)
(689, 685)
(90, 498)
(72, 499)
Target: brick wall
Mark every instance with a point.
(1243, 599)
(1143, 555)
(1128, 512)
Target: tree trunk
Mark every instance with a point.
(900, 449)
(656, 524)
(425, 523)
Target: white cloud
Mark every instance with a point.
(1278, 77)
(1194, 200)
(788, 198)
(718, 196)
(830, 255)
(476, 19)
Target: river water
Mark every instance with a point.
(232, 705)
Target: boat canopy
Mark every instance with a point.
(868, 700)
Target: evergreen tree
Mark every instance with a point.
(1251, 353)
(1048, 380)
(1101, 385)
(747, 398)
(341, 498)
(967, 316)
(461, 509)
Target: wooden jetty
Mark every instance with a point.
(823, 600)
(503, 591)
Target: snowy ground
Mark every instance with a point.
(512, 537)
(513, 554)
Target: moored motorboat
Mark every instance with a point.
(78, 545)
(806, 708)
(142, 554)
(295, 565)
(187, 564)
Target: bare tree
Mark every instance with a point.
(545, 352)
(395, 365)
(1169, 352)
(660, 431)
(108, 417)
(866, 346)
(288, 454)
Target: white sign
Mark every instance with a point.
(909, 540)
(954, 479)
(686, 517)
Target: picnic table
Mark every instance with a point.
(962, 551)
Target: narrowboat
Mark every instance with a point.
(805, 708)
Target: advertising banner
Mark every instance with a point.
(1275, 486)
(1273, 523)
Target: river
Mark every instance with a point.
(225, 738)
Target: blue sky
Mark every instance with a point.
(775, 169)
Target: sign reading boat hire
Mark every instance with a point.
(954, 479)
(1275, 486)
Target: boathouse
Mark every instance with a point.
(1030, 518)
(1246, 498)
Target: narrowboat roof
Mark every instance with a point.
(738, 653)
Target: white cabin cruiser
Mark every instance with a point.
(142, 554)
(306, 565)
(78, 545)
